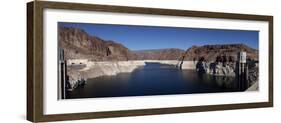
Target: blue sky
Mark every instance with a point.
(150, 37)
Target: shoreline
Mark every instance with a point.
(84, 69)
(93, 69)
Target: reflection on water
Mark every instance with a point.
(154, 79)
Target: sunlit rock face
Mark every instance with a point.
(219, 60)
(210, 53)
(78, 44)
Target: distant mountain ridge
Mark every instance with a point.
(78, 44)
(159, 54)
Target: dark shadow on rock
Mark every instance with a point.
(213, 68)
(200, 67)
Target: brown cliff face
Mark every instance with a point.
(159, 54)
(213, 52)
(78, 44)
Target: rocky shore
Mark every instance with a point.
(91, 69)
(229, 69)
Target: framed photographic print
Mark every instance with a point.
(96, 61)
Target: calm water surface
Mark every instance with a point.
(153, 79)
